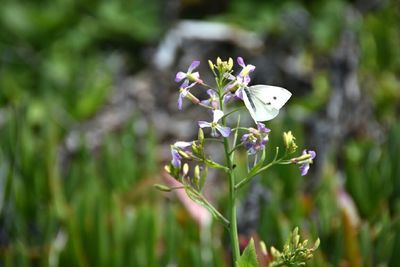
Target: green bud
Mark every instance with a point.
(288, 140)
(185, 169)
(211, 64)
(167, 168)
(200, 136)
(230, 64)
(196, 175)
(219, 61)
(161, 187)
(263, 248)
(184, 154)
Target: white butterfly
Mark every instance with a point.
(265, 101)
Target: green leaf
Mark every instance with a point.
(249, 256)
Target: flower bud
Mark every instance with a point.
(211, 65)
(167, 168)
(263, 248)
(184, 154)
(230, 63)
(161, 187)
(288, 140)
(200, 136)
(219, 61)
(185, 169)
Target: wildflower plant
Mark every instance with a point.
(190, 163)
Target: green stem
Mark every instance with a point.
(233, 232)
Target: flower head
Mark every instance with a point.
(189, 75)
(213, 100)
(176, 160)
(305, 160)
(256, 139)
(246, 69)
(184, 92)
(223, 130)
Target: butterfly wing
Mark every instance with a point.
(258, 110)
(264, 101)
(274, 96)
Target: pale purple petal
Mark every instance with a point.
(240, 61)
(211, 93)
(261, 127)
(228, 97)
(204, 124)
(217, 115)
(176, 158)
(312, 153)
(251, 68)
(246, 80)
(180, 101)
(214, 132)
(225, 131)
(304, 168)
(180, 76)
(194, 65)
(239, 93)
(182, 144)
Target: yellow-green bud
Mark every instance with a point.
(288, 140)
(230, 63)
(200, 136)
(219, 61)
(263, 248)
(184, 154)
(167, 168)
(211, 64)
(185, 169)
(197, 172)
(162, 187)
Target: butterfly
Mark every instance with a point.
(265, 101)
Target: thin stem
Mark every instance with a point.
(232, 195)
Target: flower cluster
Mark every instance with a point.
(230, 86)
(256, 139)
(189, 162)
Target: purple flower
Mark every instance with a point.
(213, 100)
(217, 115)
(176, 160)
(246, 69)
(256, 139)
(183, 91)
(305, 164)
(189, 75)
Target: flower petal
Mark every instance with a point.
(312, 153)
(304, 168)
(194, 65)
(239, 93)
(182, 144)
(217, 115)
(180, 102)
(203, 124)
(225, 131)
(240, 61)
(176, 158)
(180, 76)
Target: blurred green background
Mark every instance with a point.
(76, 184)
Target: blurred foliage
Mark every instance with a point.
(56, 70)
